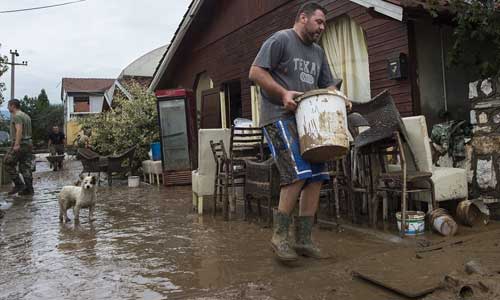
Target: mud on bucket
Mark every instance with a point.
(415, 222)
(322, 126)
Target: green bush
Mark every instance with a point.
(129, 123)
(476, 35)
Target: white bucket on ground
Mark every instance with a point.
(322, 126)
(133, 181)
(415, 222)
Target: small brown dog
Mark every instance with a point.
(78, 197)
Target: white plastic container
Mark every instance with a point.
(133, 181)
(322, 126)
(415, 222)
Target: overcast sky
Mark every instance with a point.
(95, 38)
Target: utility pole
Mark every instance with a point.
(13, 65)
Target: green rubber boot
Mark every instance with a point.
(303, 243)
(280, 240)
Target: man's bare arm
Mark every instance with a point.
(262, 77)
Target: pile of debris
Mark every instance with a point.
(475, 282)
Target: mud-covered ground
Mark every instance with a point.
(146, 243)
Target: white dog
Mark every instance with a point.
(78, 197)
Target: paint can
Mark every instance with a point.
(442, 222)
(415, 222)
(468, 213)
(322, 126)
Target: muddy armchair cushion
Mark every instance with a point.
(206, 163)
(449, 183)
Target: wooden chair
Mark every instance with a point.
(341, 186)
(246, 143)
(405, 181)
(386, 136)
(222, 177)
(262, 182)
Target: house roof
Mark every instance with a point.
(145, 65)
(179, 34)
(86, 85)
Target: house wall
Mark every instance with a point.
(430, 76)
(225, 43)
(431, 81)
(484, 172)
(72, 128)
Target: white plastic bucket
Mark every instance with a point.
(415, 222)
(133, 181)
(322, 126)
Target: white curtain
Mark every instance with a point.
(345, 46)
(96, 103)
(255, 97)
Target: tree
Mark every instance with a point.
(44, 119)
(3, 69)
(28, 105)
(130, 123)
(43, 116)
(43, 100)
(476, 35)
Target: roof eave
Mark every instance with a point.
(176, 41)
(386, 8)
(87, 91)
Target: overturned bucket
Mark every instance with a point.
(442, 222)
(468, 213)
(322, 126)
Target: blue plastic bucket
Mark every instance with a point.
(156, 151)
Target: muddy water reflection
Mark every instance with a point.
(147, 244)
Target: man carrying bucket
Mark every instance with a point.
(289, 63)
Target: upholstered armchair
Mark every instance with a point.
(203, 177)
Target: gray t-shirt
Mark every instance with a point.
(294, 65)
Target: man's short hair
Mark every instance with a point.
(308, 9)
(15, 102)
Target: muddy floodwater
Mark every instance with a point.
(147, 243)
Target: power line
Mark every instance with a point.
(40, 7)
